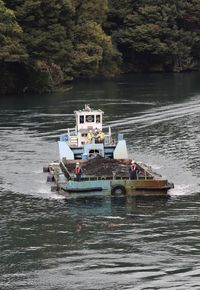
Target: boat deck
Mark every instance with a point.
(104, 168)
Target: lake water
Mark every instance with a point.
(49, 243)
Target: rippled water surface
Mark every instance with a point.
(49, 243)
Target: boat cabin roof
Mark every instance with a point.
(88, 110)
(88, 118)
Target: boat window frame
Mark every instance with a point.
(98, 118)
(81, 119)
(89, 118)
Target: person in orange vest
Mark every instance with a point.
(133, 170)
(78, 171)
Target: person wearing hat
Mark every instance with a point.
(90, 136)
(101, 137)
(133, 170)
(78, 171)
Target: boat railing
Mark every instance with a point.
(108, 140)
(102, 178)
(71, 137)
(148, 172)
(67, 135)
(98, 178)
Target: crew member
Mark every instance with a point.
(78, 171)
(90, 136)
(101, 137)
(133, 170)
(96, 134)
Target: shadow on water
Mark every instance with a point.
(119, 206)
(88, 206)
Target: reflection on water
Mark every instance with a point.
(47, 242)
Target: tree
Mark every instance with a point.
(13, 55)
(47, 36)
(148, 35)
(191, 22)
(11, 47)
(94, 53)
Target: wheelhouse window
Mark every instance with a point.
(90, 118)
(98, 118)
(81, 119)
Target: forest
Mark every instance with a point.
(46, 44)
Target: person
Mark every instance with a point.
(133, 170)
(90, 136)
(78, 171)
(96, 134)
(101, 137)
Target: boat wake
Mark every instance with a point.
(159, 115)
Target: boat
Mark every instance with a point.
(74, 145)
(103, 160)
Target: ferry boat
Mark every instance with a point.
(103, 160)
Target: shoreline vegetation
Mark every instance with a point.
(47, 44)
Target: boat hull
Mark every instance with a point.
(101, 182)
(116, 188)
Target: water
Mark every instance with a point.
(48, 243)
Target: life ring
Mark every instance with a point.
(118, 190)
(89, 119)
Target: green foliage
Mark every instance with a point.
(91, 10)
(150, 30)
(191, 23)
(46, 26)
(11, 48)
(94, 53)
(47, 35)
(66, 35)
(45, 43)
(91, 45)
